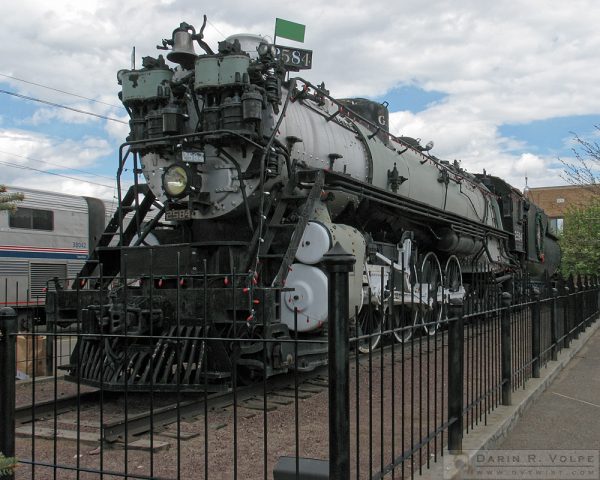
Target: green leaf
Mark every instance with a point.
(580, 240)
(7, 465)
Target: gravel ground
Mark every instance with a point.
(43, 389)
(396, 398)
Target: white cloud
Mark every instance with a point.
(67, 153)
(118, 131)
(77, 186)
(25, 157)
(529, 163)
(461, 47)
(498, 63)
(477, 144)
(50, 114)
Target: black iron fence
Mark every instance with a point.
(390, 387)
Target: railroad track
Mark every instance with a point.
(268, 395)
(250, 397)
(56, 406)
(38, 419)
(265, 396)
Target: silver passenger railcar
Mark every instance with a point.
(49, 235)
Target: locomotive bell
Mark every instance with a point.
(183, 48)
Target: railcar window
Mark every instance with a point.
(31, 219)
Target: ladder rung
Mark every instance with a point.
(293, 197)
(271, 255)
(282, 225)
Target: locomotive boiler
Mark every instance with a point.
(244, 178)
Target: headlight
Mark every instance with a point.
(176, 181)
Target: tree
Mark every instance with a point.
(8, 200)
(580, 240)
(584, 169)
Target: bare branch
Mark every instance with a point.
(584, 171)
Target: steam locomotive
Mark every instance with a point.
(244, 179)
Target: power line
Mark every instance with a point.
(213, 26)
(56, 165)
(58, 105)
(25, 167)
(60, 91)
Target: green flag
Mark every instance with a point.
(290, 30)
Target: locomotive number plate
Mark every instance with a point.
(192, 156)
(294, 58)
(174, 215)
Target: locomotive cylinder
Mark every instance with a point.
(457, 244)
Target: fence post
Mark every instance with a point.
(8, 372)
(583, 302)
(553, 325)
(591, 288)
(597, 302)
(578, 308)
(506, 349)
(456, 365)
(596, 296)
(570, 311)
(535, 336)
(588, 300)
(339, 264)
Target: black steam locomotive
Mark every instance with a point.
(243, 180)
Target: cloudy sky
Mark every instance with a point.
(499, 85)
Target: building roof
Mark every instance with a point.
(563, 187)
